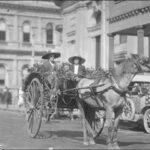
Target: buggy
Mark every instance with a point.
(39, 104)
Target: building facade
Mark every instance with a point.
(82, 31)
(104, 32)
(129, 23)
(27, 30)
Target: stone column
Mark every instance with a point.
(15, 32)
(20, 34)
(43, 38)
(54, 35)
(39, 35)
(149, 46)
(111, 50)
(7, 34)
(10, 29)
(104, 38)
(140, 40)
(15, 72)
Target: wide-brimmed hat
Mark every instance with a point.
(71, 59)
(49, 54)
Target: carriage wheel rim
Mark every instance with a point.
(34, 117)
(147, 120)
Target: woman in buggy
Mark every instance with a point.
(51, 68)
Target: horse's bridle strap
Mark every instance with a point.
(117, 88)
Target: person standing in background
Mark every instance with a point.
(7, 96)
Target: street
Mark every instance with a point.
(59, 134)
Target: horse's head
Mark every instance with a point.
(127, 69)
(130, 66)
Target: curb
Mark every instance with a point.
(12, 110)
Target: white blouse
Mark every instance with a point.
(76, 68)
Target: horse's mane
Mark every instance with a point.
(98, 73)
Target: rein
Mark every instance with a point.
(116, 87)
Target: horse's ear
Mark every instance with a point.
(128, 56)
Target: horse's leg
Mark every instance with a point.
(115, 131)
(89, 116)
(85, 138)
(109, 125)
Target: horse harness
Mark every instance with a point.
(96, 95)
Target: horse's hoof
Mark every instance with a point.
(92, 142)
(85, 143)
(115, 145)
(109, 146)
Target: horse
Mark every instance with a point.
(111, 97)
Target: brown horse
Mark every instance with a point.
(111, 99)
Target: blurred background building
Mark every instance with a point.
(129, 28)
(83, 30)
(27, 30)
(103, 32)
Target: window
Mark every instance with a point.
(98, 17)
(2, 30)
(2, 75)
(123, 39)
(26, 32)
(49, 34)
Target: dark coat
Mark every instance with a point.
(81, 70)
(48, 67)
(7, 97)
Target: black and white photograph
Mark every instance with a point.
(74, 74)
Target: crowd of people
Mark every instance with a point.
(5, 97)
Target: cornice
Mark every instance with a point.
(129, 14)
(29, 8)
(20, 52)
(94, 28)
(72, 33)
(76, 6)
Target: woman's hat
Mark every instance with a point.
(81, 59)
(49, 54)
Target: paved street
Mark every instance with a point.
(59, 134)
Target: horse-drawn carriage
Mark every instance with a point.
(103, 98)
(39, 103)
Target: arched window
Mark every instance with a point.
(2, 30)
(26, 32)
(2, 75)
(49, 33)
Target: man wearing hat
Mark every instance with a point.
(50, 68)
(77, 68)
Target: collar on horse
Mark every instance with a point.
(117, 88)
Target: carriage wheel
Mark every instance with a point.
(146, 120)
(34, 107)
(99, 122)
(128, 110)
